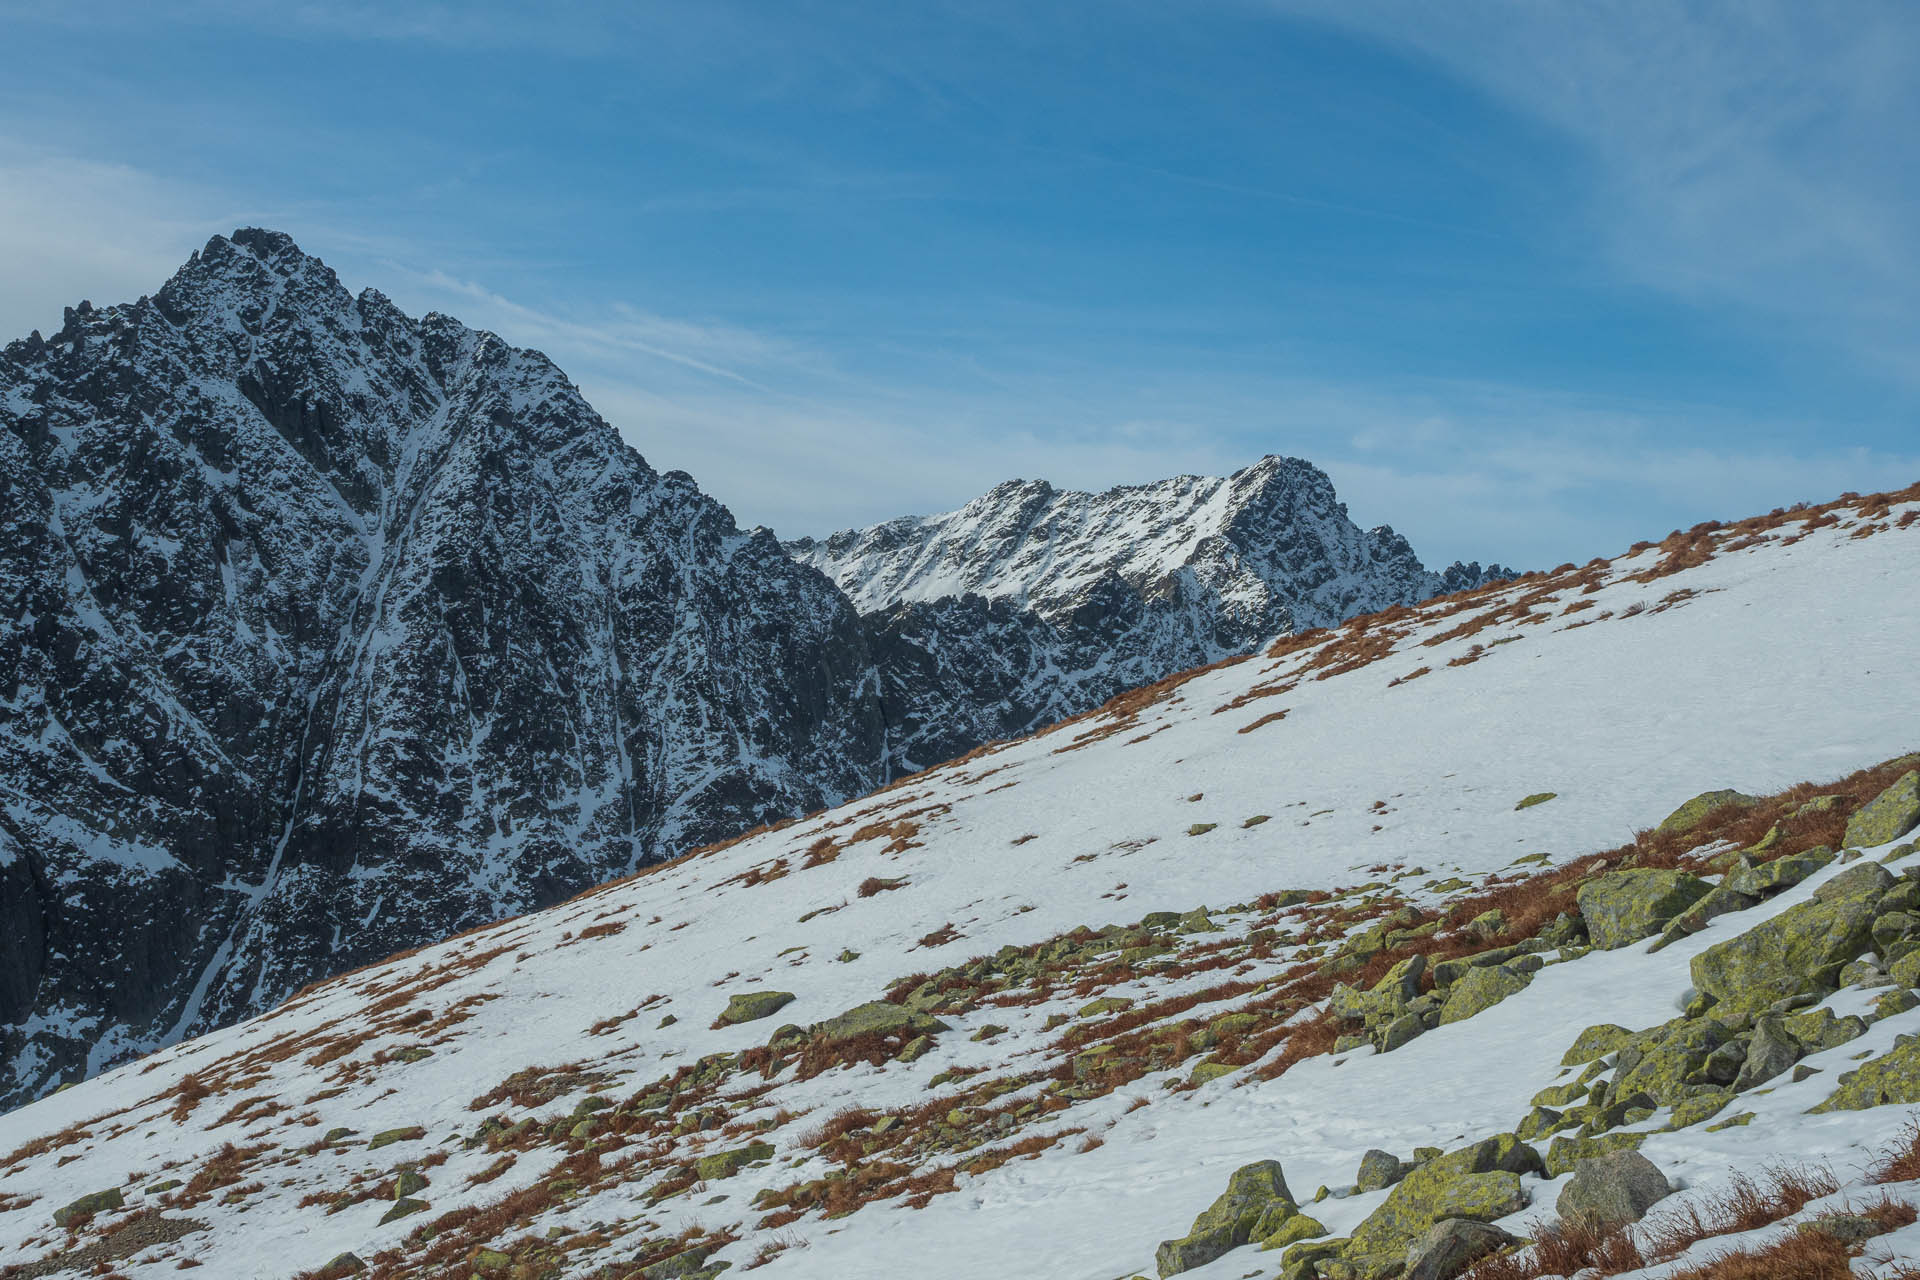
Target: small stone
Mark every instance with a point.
(1850, 1228)
(408, 1181)
(401, 1209)
(725, 1164)
(1538, 797)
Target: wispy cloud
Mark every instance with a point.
(1742, 152)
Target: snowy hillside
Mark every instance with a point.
(1031, 604)
(1366, 891)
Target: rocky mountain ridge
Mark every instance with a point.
(327, 631)
(1033, 604)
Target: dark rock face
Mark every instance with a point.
(1031, 604)
(325, 632)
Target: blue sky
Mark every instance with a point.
(1531, 281)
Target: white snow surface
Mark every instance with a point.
(1791, 659)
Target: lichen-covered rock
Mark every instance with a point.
(1255, 1204)
(751, 1006)
(1893, 1077)
(690, 1264)
(1888, 816)
(1681, 1057)
(1595, 1042)
(1379, 1170)
(724, 1164)
(1799, 950)
(876, 1017)
(1693, 812)
(1451, 1246)
(343, 1264)
(408, 1181)
(387, 1137)
(1480, 1183)
(1613, 1189)
(1759, 880)
(1290, 1232)
(1565, 1154)
(1771, 1051)
(1481, 989)
(88, 1205)
(1623, 907)
(1538, 797)
(1703, 1104)
(1822, 1029)
(403, 1207)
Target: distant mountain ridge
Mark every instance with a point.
(326, 632)
(1032, 604)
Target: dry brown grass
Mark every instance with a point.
(879, 884)
(1900, 1162)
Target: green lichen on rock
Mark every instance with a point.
(1888, 816)
(1680, 1055)
(1564, 1154)
(689, 1264)
(876, 1017)
(1800, 950)
(724, 1164)
(1254, 1206)
(1479, 1183)
(88, 1205)
(1480, 990)
(751, 1006)
(1290, 1232)
(402, 1208)
(1700, 1106)
(408, 1181)
(1760, 879)
(387, 1137)
(1205, 1071)
(1595, 1042)
(1891, 1078)
(1821, 1029)
(1623, 907)
(1538, 797)
(1695, 811)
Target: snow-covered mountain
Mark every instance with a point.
(325, 632)
(1351, 958)
(1030, 604)
(328, 632)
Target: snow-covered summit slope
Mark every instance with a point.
(1030, 603)
(560, 1093)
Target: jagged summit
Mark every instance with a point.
(331, 630)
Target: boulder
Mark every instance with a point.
(1295, 1229)
(1451, 1246)
(1255, 1204)
(1379, 1170)
(1678, 1059)
(1770, 1051)
(387, 1137)
(88, 1205)
(1565, 1154)
(1693, 812)
(724, 1164)
(690, 1264)
(1623, 907)
(1481, 989)
(751, 1006)
(402, 1208)
(1613, 1190)
(879, 1017)
(1759, 880)
(1819, 1029)
(1893, 1077)
(1595, 1042)
(1888, 816)
(1798, 951)
(1480, 1183)
(343, 1264)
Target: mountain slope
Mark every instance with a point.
(564, 1094)
(1030, 604)
(329, 631)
